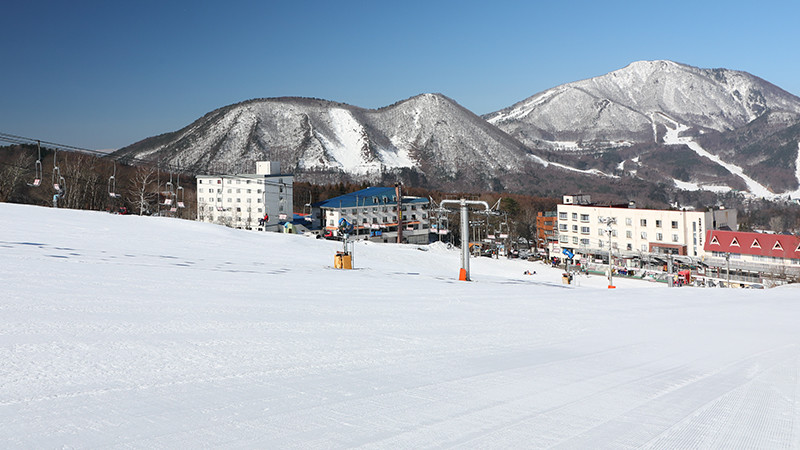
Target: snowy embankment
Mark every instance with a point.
(122, 331)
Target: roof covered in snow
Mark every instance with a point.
(371, 196)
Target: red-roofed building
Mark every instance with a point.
(754, 254)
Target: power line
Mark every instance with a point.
(169, 168)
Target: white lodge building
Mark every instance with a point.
(373, 214)
(636, 231)
(239, 201)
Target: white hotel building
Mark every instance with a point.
(239, 201)
(635, 231)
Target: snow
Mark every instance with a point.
(126, 331)
(346, 143)
(672, 137)
(545, 163)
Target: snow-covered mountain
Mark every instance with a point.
(628, 105)
(429, 134)
(656, 123)
(628, 122)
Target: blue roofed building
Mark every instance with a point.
(374, 215)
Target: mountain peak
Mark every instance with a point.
(621, 105)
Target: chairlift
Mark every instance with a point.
(112, 184)
(37, 180)
(58, 180)
(169, 192)
(179, 193)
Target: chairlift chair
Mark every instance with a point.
(179, 193)
(57, 178)
(169, 192)
(37, 180)
(112, 184)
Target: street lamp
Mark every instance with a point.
(608, 221)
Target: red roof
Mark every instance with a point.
(746, 243)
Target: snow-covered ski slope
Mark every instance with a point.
(121, 331)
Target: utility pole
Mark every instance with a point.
(669, 272)
(399, 213)
(728, 262)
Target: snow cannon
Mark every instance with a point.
(344, 259)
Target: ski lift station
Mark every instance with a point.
(257, 201)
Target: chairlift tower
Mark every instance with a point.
(463, 205)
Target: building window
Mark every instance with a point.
(674, 224)
(574, 216)
(629, 234)
(644, 247)
(354, 211)
(230, 190)
(562, 227)
(628, 221)
(574, 228)
(584, 230)
(629, 246)
(659, 237)
(562, 216)
(200, 181)
(658, 224)
(674, 238)
(585, 242)
(644, 235)
(643, 222)
(575, 240)
(563, 239)
(584, 217)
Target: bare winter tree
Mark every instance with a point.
(776, 223)
(12, 176)
(143, 191)
(84, 188)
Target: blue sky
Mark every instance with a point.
(105, 74)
